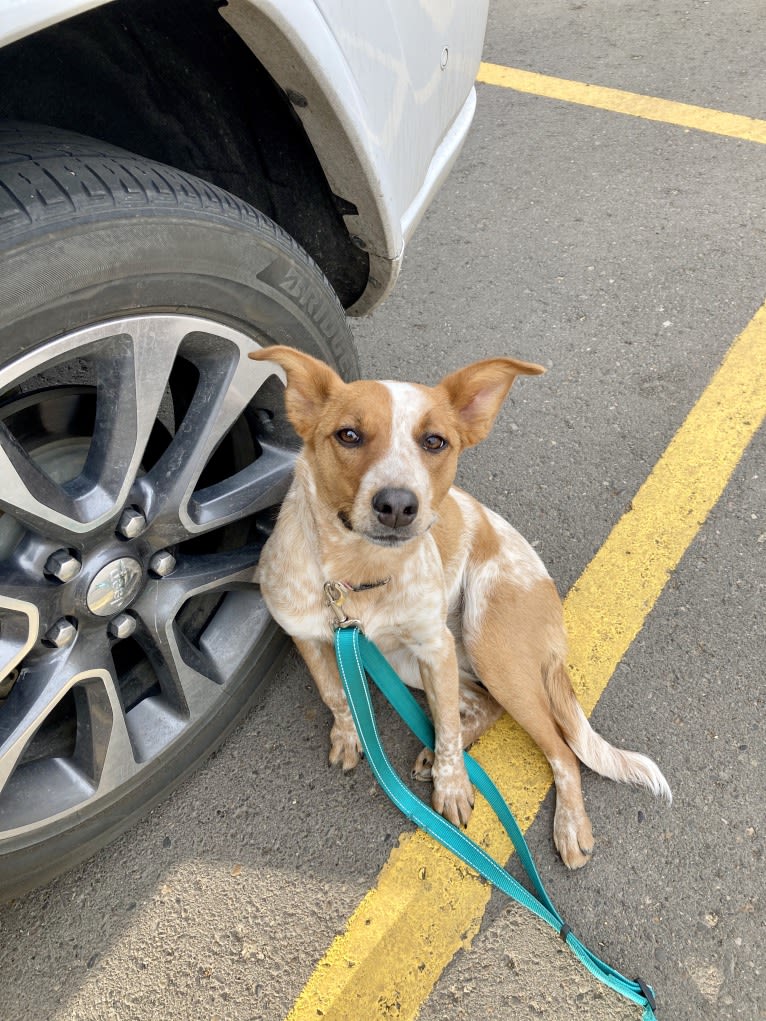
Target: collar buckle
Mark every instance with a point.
(335, 593)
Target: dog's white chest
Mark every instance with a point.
(409, 611)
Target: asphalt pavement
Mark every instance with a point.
(626, 255)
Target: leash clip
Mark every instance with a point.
(335, 593)
(648, 993)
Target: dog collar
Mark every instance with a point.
(335, 593)
(348, 587)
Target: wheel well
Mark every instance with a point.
(173, 82)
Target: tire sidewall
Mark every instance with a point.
(251, 276)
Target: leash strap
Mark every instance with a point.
(358, 658)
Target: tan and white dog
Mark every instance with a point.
(456, 599)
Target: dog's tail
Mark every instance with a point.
(590, 747)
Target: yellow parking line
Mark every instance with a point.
(426, 905)
(650, 108)
(647, 543)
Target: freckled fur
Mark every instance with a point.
(469, 614)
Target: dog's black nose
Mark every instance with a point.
(395, 508)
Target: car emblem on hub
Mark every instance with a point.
(115, 585)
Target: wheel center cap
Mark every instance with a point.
(115, 585)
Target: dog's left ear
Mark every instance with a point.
(477, 392)
(309, 384)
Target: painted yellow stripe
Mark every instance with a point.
(426, 905)
(669, 112)
(606, 608)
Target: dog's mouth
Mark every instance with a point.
(388, 538)
(345, 520)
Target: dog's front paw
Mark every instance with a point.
(573, 837)
(345, 749)
(423, 767)
(453, 794)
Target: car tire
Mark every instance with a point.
(143, 459)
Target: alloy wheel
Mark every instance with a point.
(142, 464)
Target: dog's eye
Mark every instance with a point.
(348, 437)
(433, 443)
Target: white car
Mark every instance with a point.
(180, 182)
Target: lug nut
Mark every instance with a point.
(122, 626)
(131, 523)
(62, 633)
(62, 565)
(162, 563)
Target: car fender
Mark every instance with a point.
(387, 120)
(384, 92)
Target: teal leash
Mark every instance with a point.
(359, 658)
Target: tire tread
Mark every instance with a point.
(47, 174)
(51, 178)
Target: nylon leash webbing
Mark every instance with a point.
(358, 658)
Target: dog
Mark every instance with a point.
(451, 593)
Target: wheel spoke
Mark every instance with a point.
(131, 360)
(226, 386)
(104, 752)
(187, 676)
(132, 374)
(215, 572)
(30, 496)
(261, 485)
(192, 677)
(19, 629)
(102, 739)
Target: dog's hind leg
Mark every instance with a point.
(520, 686)
(509, 647)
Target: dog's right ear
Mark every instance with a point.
(310, 383)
